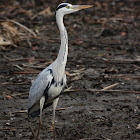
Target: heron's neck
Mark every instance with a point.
(63, 52)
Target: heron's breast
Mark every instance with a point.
(54, 90)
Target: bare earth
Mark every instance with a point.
(104, 49)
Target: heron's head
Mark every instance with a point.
(66, 8)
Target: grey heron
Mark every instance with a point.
(46, 88)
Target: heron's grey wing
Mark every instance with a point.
(42, 81)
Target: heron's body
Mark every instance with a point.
(48, 85)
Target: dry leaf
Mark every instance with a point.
(138, 127)
(123, 33)
(8, 97)
(9, 33)
(9, 27)
(46, 12)
(4, 42)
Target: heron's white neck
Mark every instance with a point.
(63, 52)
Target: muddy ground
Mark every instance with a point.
(104, 49)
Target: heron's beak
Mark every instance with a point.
(79, 7)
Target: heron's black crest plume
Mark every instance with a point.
(61, 6)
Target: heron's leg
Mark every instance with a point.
(53, 119)
(42, 100)
(54, 108)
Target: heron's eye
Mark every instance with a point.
(67, 7)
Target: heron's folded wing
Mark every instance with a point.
(42, 81)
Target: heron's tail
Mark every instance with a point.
(34, 111)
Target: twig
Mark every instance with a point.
(21, 59)
(13, 128)
(137, 67)
(58, 109)
(111, 86)
(122, 76)
(71, 74)
(18, 94)
(20, 111)
(27, 72)
(77, 71)
(8, 83)
(20, 68)
(90, 139)
(121, 61)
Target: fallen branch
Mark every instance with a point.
(95, 90)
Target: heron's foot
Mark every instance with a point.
(36, 136)
(33, 133)
(52, 127)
